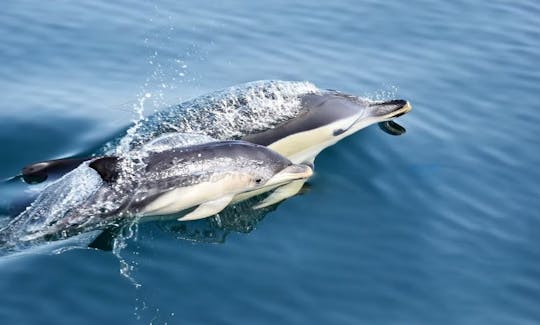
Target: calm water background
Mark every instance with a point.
(439, 226)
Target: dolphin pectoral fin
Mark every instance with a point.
(281, 193)
(208, 209)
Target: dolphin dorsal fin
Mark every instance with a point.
(107, 168)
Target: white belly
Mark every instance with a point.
(190, 196)
(305, 146)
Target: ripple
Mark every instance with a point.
(436, 226)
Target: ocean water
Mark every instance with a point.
(438, 226)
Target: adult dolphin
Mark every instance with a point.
(296, 119)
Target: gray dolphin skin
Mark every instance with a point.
(296, 119)
(206, 177)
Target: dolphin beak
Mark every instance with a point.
(385, 110)
(290, 173)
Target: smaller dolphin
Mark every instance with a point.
(206, 177)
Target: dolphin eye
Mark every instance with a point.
(258, 181)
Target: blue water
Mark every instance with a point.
(438, 226)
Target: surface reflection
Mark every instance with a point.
(240, 217)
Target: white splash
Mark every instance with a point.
(226, 114)
(58, 198)
(176, 140)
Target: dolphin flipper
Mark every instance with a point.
(281, 193)
(208, 208)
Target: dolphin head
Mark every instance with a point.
(325, 118)
(274, 175)
(347, 114)
(355, 113)
(267, 168)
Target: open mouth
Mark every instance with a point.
(388, 110)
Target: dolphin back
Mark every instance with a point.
(228, 114)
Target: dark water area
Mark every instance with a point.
(438, 226)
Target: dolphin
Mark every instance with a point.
(166, 181)
(296, 119)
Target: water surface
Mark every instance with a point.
(439, 226)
